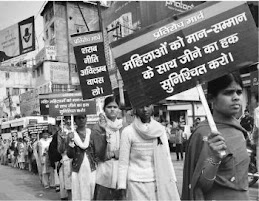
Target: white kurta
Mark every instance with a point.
(83, 182)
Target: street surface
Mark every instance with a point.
(18, 184)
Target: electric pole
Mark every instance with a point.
(10, 106)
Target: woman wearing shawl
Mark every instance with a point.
(44, 159)
(54, 157)
(64, 166)
(83, 165)
(145, 168)
(106, 139)
(208, 175)
(21, 155)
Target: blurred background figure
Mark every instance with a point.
(64, 169)
(54, 156)
(21, 154)
(247, 121)
(4, 150)
(44, 159)
(179, 142)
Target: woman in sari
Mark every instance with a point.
(208, 174)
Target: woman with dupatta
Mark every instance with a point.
(106, 140)
(83, 165)
(145, 168)
(208, 174)
(44, 159)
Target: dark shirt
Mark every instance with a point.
(78, 154)
(98, 137)
(54, 155)
(247, 122)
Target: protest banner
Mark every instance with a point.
(66, 104)
(25, 134)
(35, 129)
(91, 64)
(199, 45)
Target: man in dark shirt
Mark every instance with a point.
(247, 122)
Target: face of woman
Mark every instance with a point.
(145, 113)
(112, 110)
(228, 101)
(80, 120)
(45, 135)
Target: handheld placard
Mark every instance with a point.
(208, 113)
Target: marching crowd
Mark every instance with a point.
(115, 160)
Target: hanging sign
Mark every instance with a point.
(199, 45)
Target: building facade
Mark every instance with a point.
(60, 20)
(14, 81)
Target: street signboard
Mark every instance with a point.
(171, 56)
(91, 64)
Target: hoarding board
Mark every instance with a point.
(154, 11)
(17, 39)
(197, 46)
(91, 64)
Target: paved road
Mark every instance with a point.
(18, 184)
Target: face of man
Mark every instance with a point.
(68, 122)
(145, 113)
(33, 137)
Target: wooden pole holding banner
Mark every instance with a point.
(62, 123)
(211, 121)
(72, 123)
